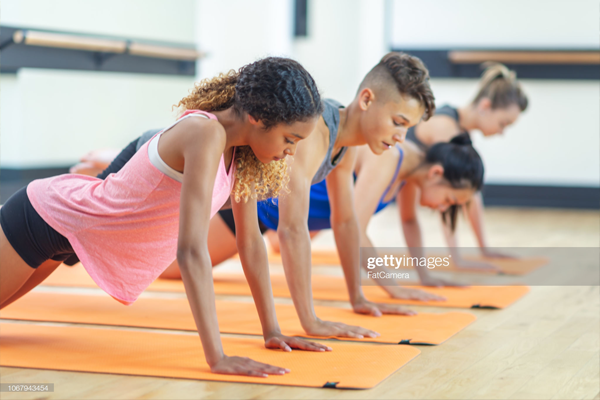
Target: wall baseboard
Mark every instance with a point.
(578, 197)
(542, 196)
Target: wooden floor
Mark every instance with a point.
(545, 346)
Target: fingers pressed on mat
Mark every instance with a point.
(234, 317)
(180, 356)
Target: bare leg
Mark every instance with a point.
(221, 246)
(38, 276)
(14, 272)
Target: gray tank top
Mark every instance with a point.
(444, 110)
(331, 116)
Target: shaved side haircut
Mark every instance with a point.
(401, 74)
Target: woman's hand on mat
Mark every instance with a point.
(338, 329)
(246, 366)
(364, 306)
(439, 282)
(478, 265)
(287, 343)
(397, 292)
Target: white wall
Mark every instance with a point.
(346, 38)
(556, 141)
(495, 24)
(238, 32)
(163, 20)
(53, 117)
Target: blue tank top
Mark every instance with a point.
(319, 212)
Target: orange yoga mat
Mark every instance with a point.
(518, 266)
(113, 351)
(234, 317)
(324, 288)
(334, 288)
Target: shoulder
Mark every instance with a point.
(439, 122)
(311, 151)
(439, 128)
(413, 156)
(200, 125)
(192, 138)
(348, 160)
(198, 130)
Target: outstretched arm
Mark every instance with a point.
(474, 211)
(201, 153)
(253, 255)
(340, 188)
(412, 234)
(294, 241)
(374, 177)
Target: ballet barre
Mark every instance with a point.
(74, 42)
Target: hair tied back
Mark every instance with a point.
(494, 70)
(463, 139)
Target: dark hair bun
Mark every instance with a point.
(463, 139)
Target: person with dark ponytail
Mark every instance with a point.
(446, 177)
(497, 105)
(232, 137)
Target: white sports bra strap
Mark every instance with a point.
(155, 157)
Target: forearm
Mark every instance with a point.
(256, 269)
(347, 239)
(412, 235)
(196, 273)
(475, 215)
(450, 239)
(294, 241)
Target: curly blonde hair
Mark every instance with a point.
(273, 90)
(253, 179)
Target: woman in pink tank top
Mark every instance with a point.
(128, 228)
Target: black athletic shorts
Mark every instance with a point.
(227, 216)
(31, 237)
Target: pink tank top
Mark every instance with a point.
(123, 229)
